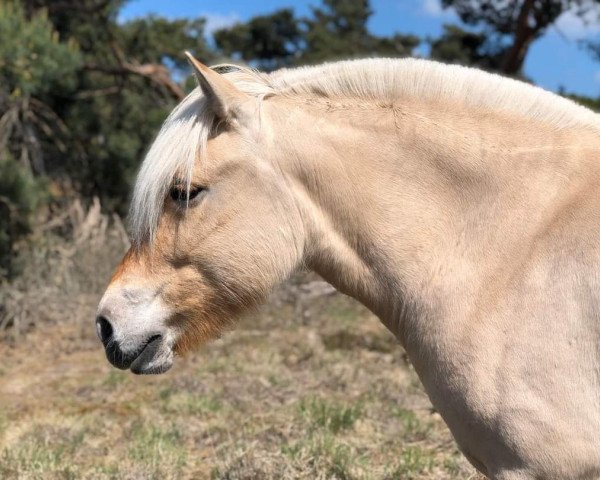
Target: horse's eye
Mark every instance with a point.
(179, 194)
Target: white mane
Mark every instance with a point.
(185, 132)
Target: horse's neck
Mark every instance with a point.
(403, 203)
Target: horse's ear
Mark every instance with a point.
(224, 98)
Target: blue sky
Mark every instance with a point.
(554, 60)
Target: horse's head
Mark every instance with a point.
(214, 228)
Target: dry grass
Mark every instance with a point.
(310, 387)
(57, 274)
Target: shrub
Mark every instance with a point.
(20, 195)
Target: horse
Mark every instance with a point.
(461, 207)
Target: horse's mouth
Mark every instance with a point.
(154, 358)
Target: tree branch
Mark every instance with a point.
(156, 73)
(524, 34)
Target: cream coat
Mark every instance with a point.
(463, 209)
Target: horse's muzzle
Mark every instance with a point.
(149, 356)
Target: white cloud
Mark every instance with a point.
(433, 8)
(597, 76)
(216, 21)
(575, 27)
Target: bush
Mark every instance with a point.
(20, 195)
(64, 267)
(33, 61)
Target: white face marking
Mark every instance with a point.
(136, 314)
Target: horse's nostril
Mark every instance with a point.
(104, 329)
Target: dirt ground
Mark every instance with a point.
(315, 389)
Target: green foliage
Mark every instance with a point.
(155, 40)
(110, 134)
(32, 59)
(272, 41)
(35, 66)
(338, 30)
(503, 17)
(510, 27)
(460, 46)
(592, 103)
(117, 111)
(82, 94)
(20, 194)
(89, 118)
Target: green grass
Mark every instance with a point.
(341, 310)
(157, 448)
(323, 453)
(329, 415)
(451, 464)
(39, 452)
(414, 428)
(414, 462)
(110, 472)
(185, 403)
(270, 400)
(115, 378)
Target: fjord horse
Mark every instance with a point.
(462, 208)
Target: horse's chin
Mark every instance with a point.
(156, 357)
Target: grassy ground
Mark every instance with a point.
(323, 394)
(311, 389)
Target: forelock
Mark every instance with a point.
(174, 151)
